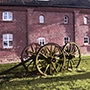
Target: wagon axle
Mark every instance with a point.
(53, 60)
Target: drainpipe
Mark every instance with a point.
(26, 27)
(73, 26)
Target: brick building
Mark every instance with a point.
(26, 21)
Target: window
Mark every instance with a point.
(41, 41)
(41, 19)
(66, 40)
(66, 19)
(85, 20)
(7, 41)
(7, 16)
(42, 0)
(86, 40)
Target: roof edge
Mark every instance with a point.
(43, 5)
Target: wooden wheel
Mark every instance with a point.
(28, 56)
(49, 59)
(72, 54)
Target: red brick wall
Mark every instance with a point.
(54, 29)
(25, 26)
(17, 27)
(82, 30)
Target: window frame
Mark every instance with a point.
(43, 0)
(7, 16)
(8, 40)
(85, 20)
(41, 40)
(66, 19)
(67, 40)
(87, 40)
(41, 19)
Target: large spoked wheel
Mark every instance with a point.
(28, 56)
(50, 59)
(72, 54)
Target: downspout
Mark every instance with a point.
(26, 27)
(73, 26)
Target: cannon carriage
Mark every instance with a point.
(51, 58)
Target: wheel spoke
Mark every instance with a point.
(54, 65)
(59, 66)
(55, 49)
(29, 52)
(66, 52)
(51, 51)
(70, 47)
(70, 64)
(73, 49)
(51, 68)
(36, 49)
(76, 50)
(46, 69)
(67, 48)
(48, 51)
(43, 55)
(32, 48)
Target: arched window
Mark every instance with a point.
(7, 16)
(7, 40)
(86, 40)
(85, 20)
(65, 19)
(41, 19)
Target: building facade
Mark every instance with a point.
(24, 22)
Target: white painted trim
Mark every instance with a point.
(88, 40)
(7, 40)
(41, 39)
(8, 16)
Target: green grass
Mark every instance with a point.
(17, 79)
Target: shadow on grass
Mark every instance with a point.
(18, 72)
(43, 80)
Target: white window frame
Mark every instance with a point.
(85, 20)
(67, 40)
(41, 41)
(41, 19)
(8, 15)
(87, 40)
(65, 19)
(7, 38)
(42, 0)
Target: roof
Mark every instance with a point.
(53, 3)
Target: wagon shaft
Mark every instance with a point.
(13, 67)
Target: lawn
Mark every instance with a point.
(18, 79)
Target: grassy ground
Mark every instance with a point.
(17, 79)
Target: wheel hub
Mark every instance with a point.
(50, 60)
(53, 60)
